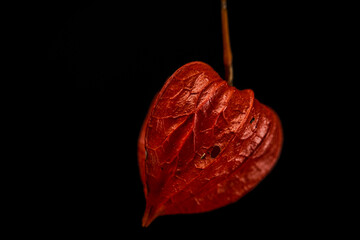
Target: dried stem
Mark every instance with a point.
(226, 44)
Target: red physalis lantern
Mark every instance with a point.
(204, 144)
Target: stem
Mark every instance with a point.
(226, 44)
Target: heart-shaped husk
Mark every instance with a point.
(204, 144)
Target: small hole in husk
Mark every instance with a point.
(253, 119)
(215, 151)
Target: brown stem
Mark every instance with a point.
(226, 44)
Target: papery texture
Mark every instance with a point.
(204, 144)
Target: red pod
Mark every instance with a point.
(204, 144)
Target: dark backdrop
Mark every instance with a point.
(106, 61)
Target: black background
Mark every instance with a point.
(105, 62)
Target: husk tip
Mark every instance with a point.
(150, 215)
